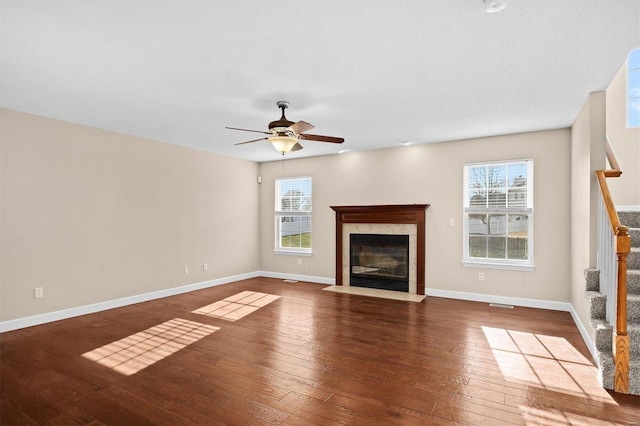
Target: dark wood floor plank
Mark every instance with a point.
(312, 358)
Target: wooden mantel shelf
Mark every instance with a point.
(394, 213)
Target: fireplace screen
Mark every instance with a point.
(380, 261)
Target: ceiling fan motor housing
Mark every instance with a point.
(280, 126)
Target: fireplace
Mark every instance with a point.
(379, 261)
(389, 220)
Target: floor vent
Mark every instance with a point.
(289, 281)
(500, 305)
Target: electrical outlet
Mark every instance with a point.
(299, 261)
(481, 276)
(186, 270)
(205, 266)
(452, 222)
(38, 292)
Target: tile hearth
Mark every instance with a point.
(374, 292)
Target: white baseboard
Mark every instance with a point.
(586, 336)
(117, 303)
(490, 298)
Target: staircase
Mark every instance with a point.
(603, 330)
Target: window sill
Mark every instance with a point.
(293, 252)
(495, 265)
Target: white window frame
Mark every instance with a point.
(496, 263)
(305, 214)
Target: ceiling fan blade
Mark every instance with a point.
(247, 130)
(320, 138)
(301, 126)
(253, 140)
(297, 147)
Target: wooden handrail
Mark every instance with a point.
(623, 247)
(608, 200)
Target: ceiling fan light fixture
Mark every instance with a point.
(495, 6)
(283, 143)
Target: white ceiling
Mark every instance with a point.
(376, 72)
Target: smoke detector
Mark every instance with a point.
(494, 6)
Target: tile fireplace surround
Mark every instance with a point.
(402, 219)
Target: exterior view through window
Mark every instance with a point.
(293, 214)
(498, 214)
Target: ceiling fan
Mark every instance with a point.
(285, 135)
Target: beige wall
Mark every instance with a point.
(587, 156)
(91, 215)
(432, 174)
(625, 190)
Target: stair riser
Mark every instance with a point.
(603, 339)
(633, 311)
(634, 233)
(630, 219)
(592, 279)
(633, 282)
(634, 343)
(598, 307)
(633, 260)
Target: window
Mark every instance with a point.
(498, 214)
(293, 215)
(633, 89)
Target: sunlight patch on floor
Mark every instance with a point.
(237, 306)
(552, 416)
(140, 350)
(547, 362)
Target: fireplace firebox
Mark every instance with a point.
(379, 261)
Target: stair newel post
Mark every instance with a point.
(621, 338)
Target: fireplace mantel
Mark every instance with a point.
(396, 213)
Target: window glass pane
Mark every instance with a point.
(517, 191)
(496, 247)
(295, 231)
(497, 198)
(517, 248)
(517, 196)
(497, 224)
(518, 241)
(518, 225)
(633, 89)
(477, 246)
(633, 97)
(478, 224)
(496, 186)
(634, 83)
(497, 231)
(478, 187)
(294, 194)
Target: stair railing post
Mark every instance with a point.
(621, 338)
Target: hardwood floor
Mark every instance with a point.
(307, 357)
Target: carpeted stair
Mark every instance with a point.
(603, 332)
